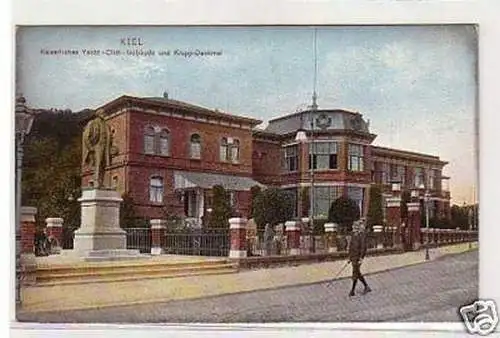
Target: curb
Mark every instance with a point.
(169, 300)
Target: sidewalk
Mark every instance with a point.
(88, 296)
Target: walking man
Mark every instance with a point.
(357, 251)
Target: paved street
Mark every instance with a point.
(430, 292)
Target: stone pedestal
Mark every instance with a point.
(331, 236)
(54, 231)
(238, 234)
(293, 237)
(158, 230)
(100, 236)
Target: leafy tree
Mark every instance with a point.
(51, 169)
(221, 208)
(344, 211)
(254, 192)
(405, 199)
(273, 206)
(375, 214)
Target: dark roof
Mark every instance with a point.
(405, 153)
(169, 103)
(337, 119)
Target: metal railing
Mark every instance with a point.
(199, 242)
(139, 239)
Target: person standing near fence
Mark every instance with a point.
(357, 251)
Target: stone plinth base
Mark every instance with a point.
(84, 241)
(105, 255)
(100, 226)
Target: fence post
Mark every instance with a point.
(238, 235)
(27, 257)
(28, 229)
(54, 230)
(158, 230)
(393, 215)
(331, 236)
(293, 237)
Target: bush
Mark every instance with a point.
(273, 206)
(375, 214)
(344, 211)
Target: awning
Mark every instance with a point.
(186, 180)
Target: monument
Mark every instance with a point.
(100, 236)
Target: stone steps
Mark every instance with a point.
(63, 275)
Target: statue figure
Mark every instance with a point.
(97, 147)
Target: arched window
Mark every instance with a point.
(224, 149)
(149, 140)
(195, 146)
(164, 143)
(235, 151)
(156, 189)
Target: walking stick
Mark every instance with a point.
(338, 273)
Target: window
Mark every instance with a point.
(114, 182)
(224, 149)
(385, 171)
(291, 158)
(235, 151)
(164, 143)
(419, 177)
(323, 199)
(195, 146)
(232, 198)
(398, 173)
(355, 157)
(356, 194)
(149, 140)
(433, 179)
(156, 189)
(324, 155)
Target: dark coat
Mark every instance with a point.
(357, 247)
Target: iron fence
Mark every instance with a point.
(139, 239)
(198, 242)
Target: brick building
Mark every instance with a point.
(171, 153)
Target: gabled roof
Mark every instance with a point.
(162, 102)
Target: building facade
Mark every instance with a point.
(170, 155)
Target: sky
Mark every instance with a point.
(416, 84)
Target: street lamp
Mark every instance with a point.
(23, 123)
(427, 198)
(471, 215)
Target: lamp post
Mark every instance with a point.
(471, 215)
(427, 198)
(24, 120)
(302, 138)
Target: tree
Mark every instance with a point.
(221, 208)
(344, 211)
(273, 206)
(254, 192)
(405, 199)
(375, 214)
